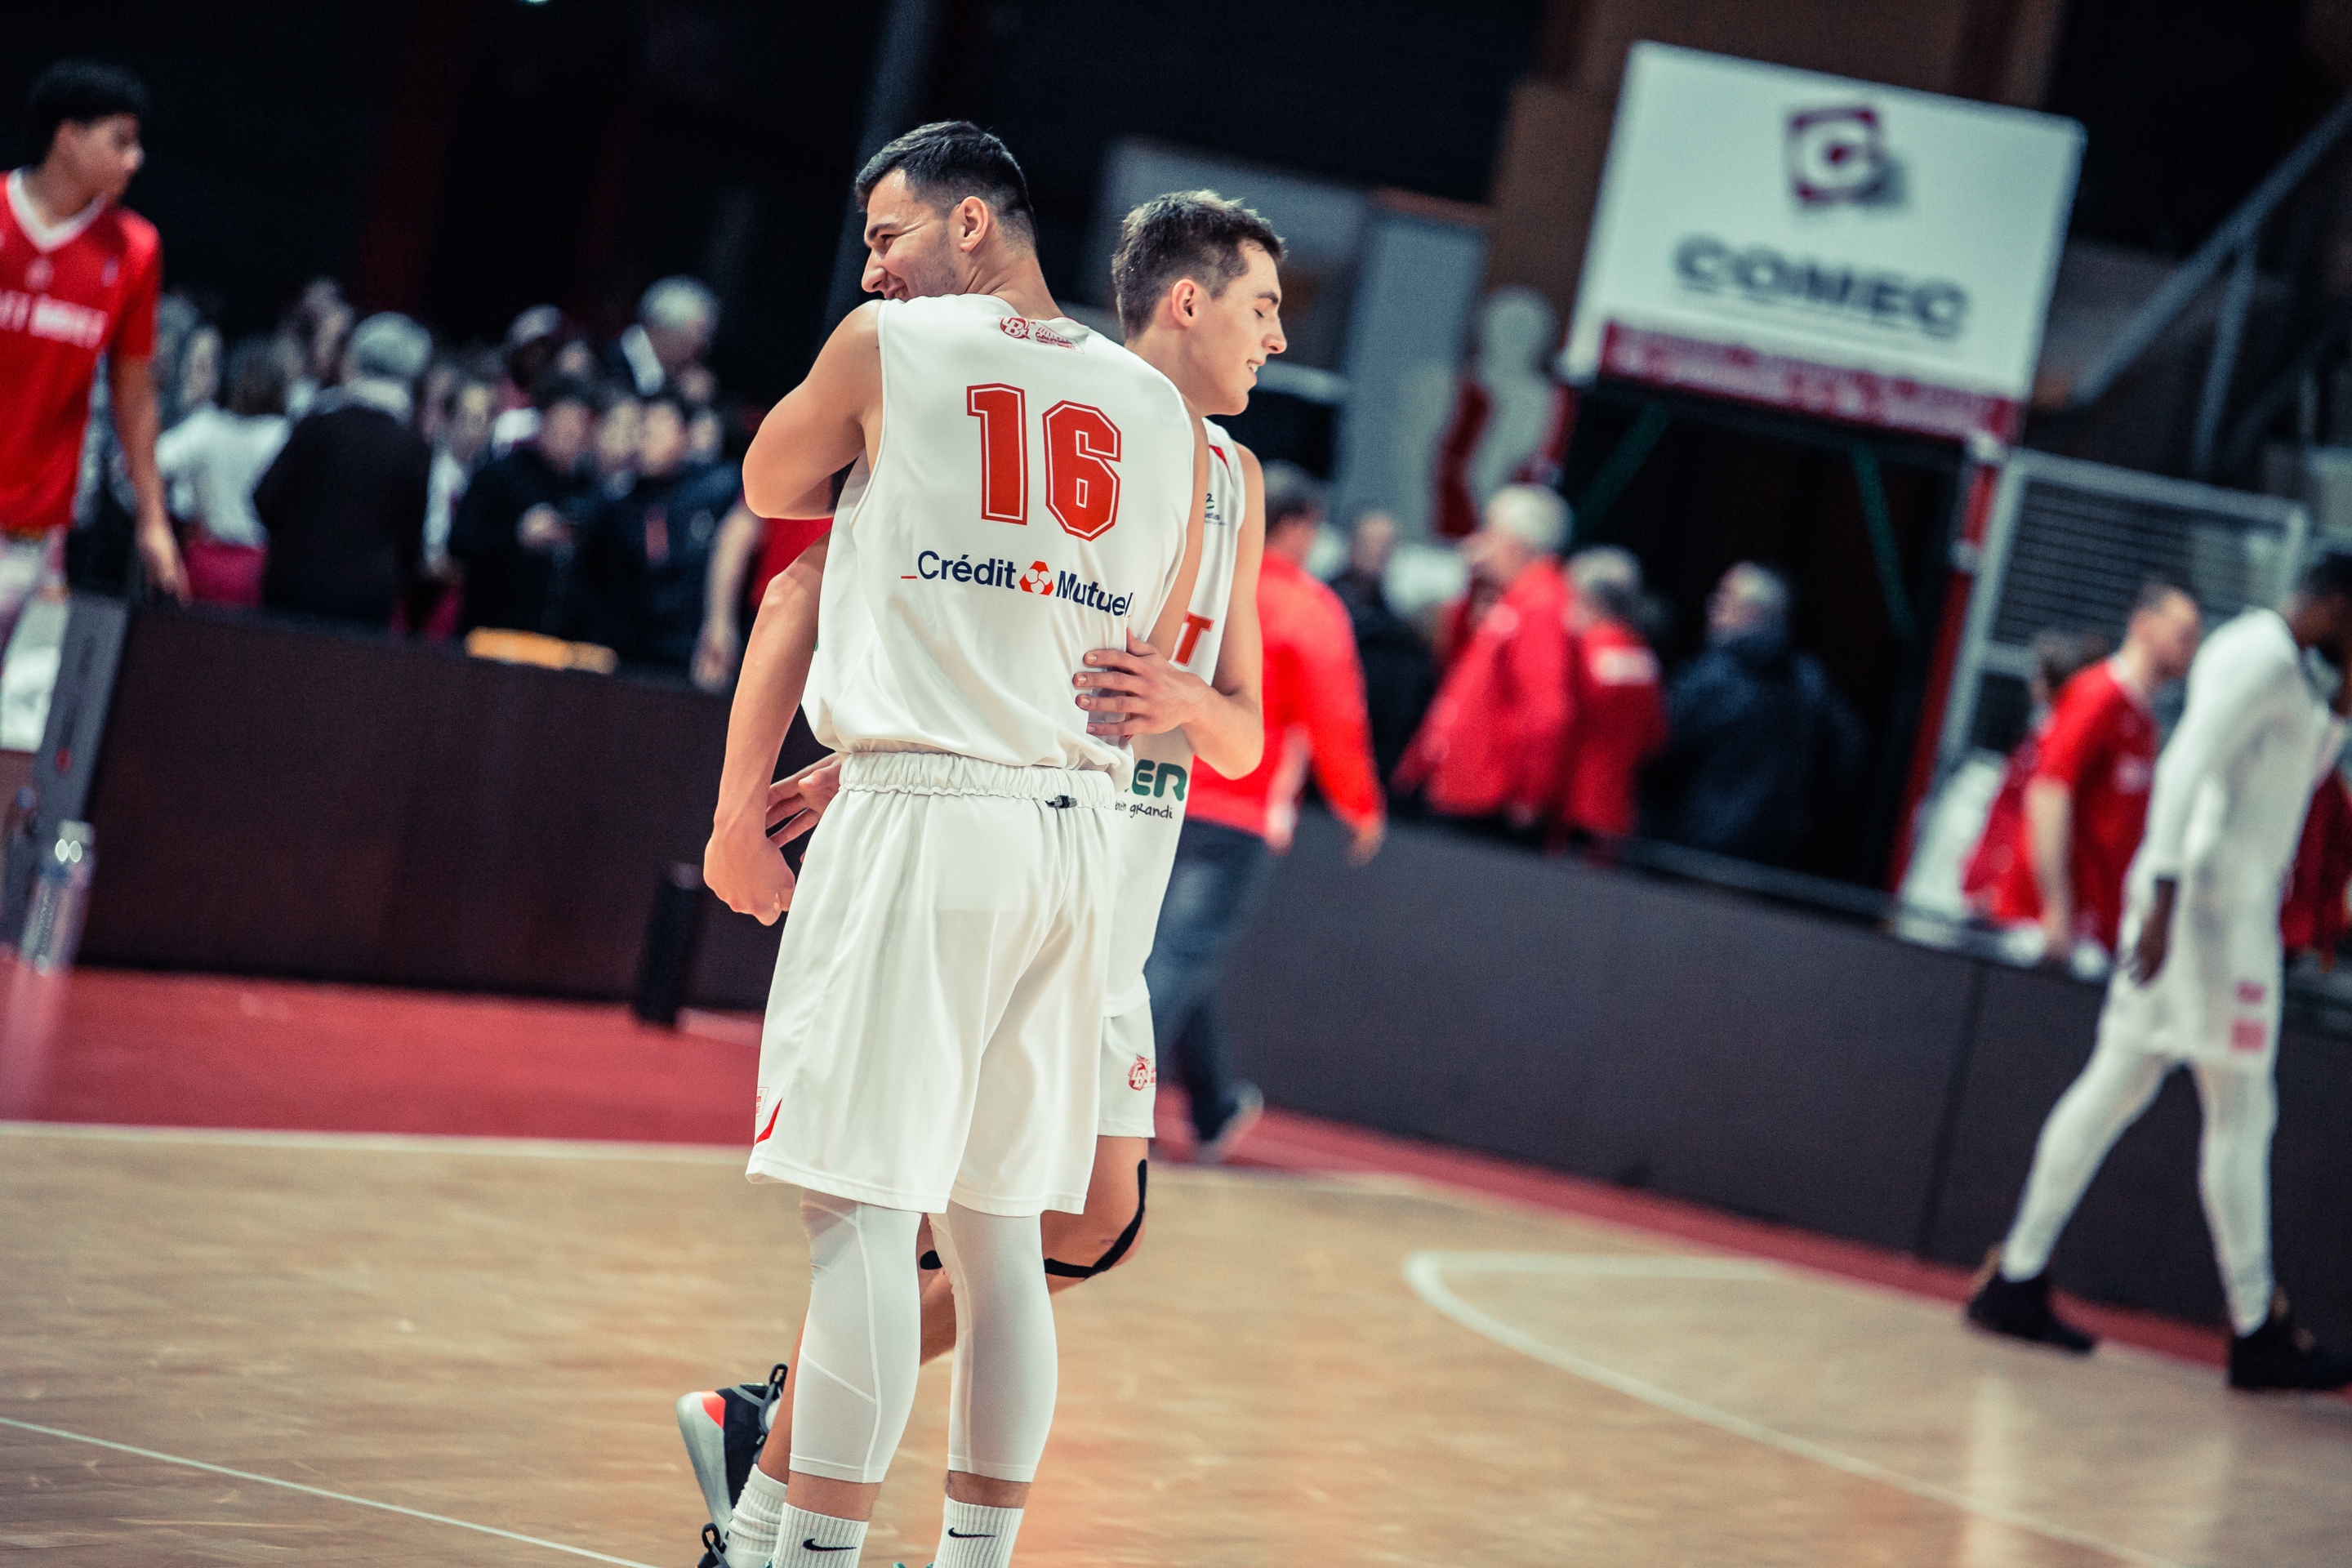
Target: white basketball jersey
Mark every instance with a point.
(1152, 804)
(1028, 505)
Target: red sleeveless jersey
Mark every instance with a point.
(68, 292)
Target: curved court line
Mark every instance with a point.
(322, 1491)
(1425, 1270)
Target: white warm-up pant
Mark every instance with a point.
(862, 1346)
(2240, 1107)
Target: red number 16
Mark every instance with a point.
(1081, 444)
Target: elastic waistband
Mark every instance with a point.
(940, 773)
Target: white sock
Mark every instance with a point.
(977, 1537)
(818, 1541)
(759, 1513)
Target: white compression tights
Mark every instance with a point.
(2232, 1169)
(1007, 1369)
(863, 1343)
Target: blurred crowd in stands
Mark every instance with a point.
(359, 471)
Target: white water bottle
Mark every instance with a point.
(60, 895)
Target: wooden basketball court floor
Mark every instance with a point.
(288, 1346)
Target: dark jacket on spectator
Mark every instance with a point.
(1400, 672)
(508, 585)
(344, 505)
(647, 559)
(1762, 752)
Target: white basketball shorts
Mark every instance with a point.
(936, 1021)
(1130, 1074)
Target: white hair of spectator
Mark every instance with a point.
(1531, 514)
(679, 302)
(1763, 592)
(1610, 577)
(538, 322)
(389, 344)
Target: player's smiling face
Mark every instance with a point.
(1236, 332)
(909, 253)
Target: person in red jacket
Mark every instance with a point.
(1616, 705)
(2058, 657)
(1313, 698)
(80, 274)
(2086, 804)
(2313, 918)
(1487, 755)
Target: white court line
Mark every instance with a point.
(385, 1142)
(1425, 1272)
(322, 1491)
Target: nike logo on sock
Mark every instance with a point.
(808, 1543)
(955, 1535)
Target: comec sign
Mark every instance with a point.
(1828, 246)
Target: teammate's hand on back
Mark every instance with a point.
(796, 803)
(1139, 692)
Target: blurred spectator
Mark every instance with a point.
(197, 383)
(2058, 657)
(218, 455)
(2313, 918)
(1400, 676)
(344, 502)
(529, 357)
(2086, 803)
(516, 529)
(619, 418)
(1761, 748)
(1616, 706)
(1487, 756)
(1314, 697)
(97, 267)
(460, 438)
(663, 349)
(318, 325)
(647, 557)
(706, 435)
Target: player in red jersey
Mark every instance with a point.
(2087, 802)
(78, 277)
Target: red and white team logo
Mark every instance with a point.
(1038, 579)
(1013, 326)
(1142, 1075)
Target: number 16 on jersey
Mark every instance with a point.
(1081, 446)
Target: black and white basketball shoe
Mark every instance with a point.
(723, 1429)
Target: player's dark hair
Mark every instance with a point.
(82, 91)
(948, 160)
(553, 389)
(2327, 576)
(1183, 233)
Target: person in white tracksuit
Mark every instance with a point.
(2199, 984)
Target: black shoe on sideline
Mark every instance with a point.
(2283, 1355)
(2019, 1308)
(723, 1429)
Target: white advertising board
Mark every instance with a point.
(1857, 251)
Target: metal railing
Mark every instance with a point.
(2232, 254)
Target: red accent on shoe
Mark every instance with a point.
(716, 1408)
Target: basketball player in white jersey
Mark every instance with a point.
(2199, 982)
(1200, 300)
(1024, 492)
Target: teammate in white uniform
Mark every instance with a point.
(932, 1038)
(2201, 983)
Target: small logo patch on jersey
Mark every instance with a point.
(2250, 993)
(2249, 1035)
(1029, 332)
(1142, 1075)
(1038, 579)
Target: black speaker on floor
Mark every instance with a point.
(671, 937)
